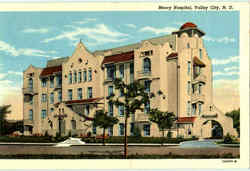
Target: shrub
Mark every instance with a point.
(228, 139)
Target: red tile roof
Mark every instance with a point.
(51, 70)
(172, 56)
(84, 100)
(188, 25)
(122, 57)
(185, 120)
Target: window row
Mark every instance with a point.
(80, 93)
(111, 71)
(194, 108)
(51, 97)
(81, 76)
(51, 80)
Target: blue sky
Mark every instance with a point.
(34, 37)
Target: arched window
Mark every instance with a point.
(147, 65)
(30, 83)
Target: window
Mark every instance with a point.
(73, 124)
(44, 82)
(188, 45)
(70, 94)
(110, 131)
(51, 98)
(85, 76)
(121, 70)
(121, 93)
(193, 109)
(147, 53)
(44, 98)
(94, 130)
(31, 114)
(146, 129)
(60, 96)
(75, 77)
(121, 110)
(147, 65)
(131, 71)
(59, 81)
(44, 114)
(201, 53)
(110, 90)
(189, 68)
(188, 108)
(79, 93)
(147, 108)
(79, 76)
(87, 109)
(110, 109)
(89, 75)
(70, 78)
(200, 108)
(30, 84)
(188, 87)
(199, 88)
(90, 92)
(121, 129)
(111, 72)
(132, 127)
(147, 85)
(51, 110)
(51, 79)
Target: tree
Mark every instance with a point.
(104, 121)
(134, 98)
(235, 115)
(164, 120)
(4, 110)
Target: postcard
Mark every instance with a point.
(124, 85)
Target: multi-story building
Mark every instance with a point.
(66, 93)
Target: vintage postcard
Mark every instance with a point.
(105, 84)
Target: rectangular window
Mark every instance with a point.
(199, 88)
(94, 130)
(84, 76)
(146, 129)
(90, 75)
(121, 129)
(188, 87)
(121, 71)
(201, 53)
(110, 90)
(79, 76)
(44, 114)
(132, 127)
(51, 82)
(189, 68)
(73, 124)
(70, 78)
(60, 96)
(121, 110)
(147, 84)
(44, 82)
(44, 98)
(79, 93)
(110, 131)
(31, 114)
(200, 108)
(131, 71)
(75, 77)
(147, 108)
(87, 109)
(90, 92)
(70, 94)
(188, 108)
(111, 72)
(121, 93)
(110, 109)
(59, 81)
(193, 109)
(51, 98)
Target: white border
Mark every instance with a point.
(243, 162)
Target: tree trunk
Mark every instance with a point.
(125, 139)
(162, 137)
(103, 137)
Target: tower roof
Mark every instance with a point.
(188, 25)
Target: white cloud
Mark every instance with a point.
(232, 68)
(9, 49)
(220, 40)
(40, 30)
(225, 73)
(232, 59)
(15, 73)
(2, 75)
(99, 33)
(154, 30)
(85, 21)
(131, 25)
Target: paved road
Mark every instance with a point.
(114, 150)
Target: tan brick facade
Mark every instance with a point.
(66, 94)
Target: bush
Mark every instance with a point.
(229, 139)
(169, 134)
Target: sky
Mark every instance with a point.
(35, 37)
